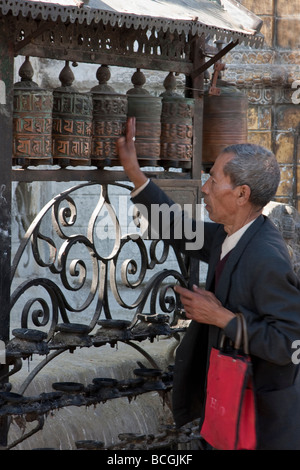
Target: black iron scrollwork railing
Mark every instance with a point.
(94, 269)
(91, 265)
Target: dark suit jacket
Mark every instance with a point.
(258, 280)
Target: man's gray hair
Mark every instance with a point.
(256, 167)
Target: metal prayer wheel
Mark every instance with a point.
(176, 127)
(72, 123)
(109, 120)
(147, 111)
(224, 121)
(32, 121)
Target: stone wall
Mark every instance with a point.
(287, 220)
(268, 76)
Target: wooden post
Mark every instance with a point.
(196, 85)
(6, 107)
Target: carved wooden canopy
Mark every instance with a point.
(147, 33)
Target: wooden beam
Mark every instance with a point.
(214, 59)
(146, 62)
(21, 44)
(93, 175)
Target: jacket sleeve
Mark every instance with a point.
(167, 221)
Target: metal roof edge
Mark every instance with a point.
(86, 14)
(256, 21)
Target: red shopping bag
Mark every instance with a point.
(230, 414)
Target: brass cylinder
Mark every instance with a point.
(32, 121)
(224, 121)
(72, 123)
(177, 132)
(147, 111)
(109, 121)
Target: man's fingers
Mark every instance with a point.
(183, 292)
(197, 288)
(121, 142)
(130, 129)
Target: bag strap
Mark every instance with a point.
(238, 336)
(243, 323)
(241, 337)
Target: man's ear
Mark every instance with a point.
(243, 194)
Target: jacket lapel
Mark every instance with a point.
(214, 257)
(225, 279)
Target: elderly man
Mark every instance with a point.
(249, 271)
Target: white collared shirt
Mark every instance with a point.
(231, 240)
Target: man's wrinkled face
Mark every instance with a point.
(219, 194)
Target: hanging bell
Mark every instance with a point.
(109, 120)
(224, 120)
(176, 127)
(72, 122)
(32, 121)
(147, 111)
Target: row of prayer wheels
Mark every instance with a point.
(67, 128)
